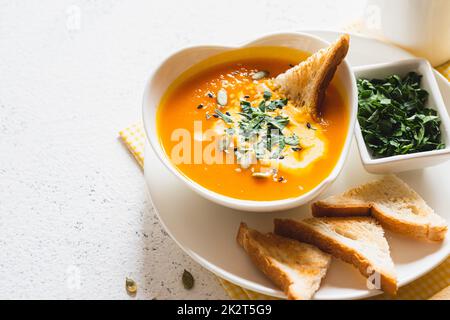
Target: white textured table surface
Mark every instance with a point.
(74, 221)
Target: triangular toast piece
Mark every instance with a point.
(307, 82)
(392, 202)
(297, 268)
(359, 241)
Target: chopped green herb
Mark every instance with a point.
(278, 122)
(222, 115)
(262, 106)
(393, 117)
(277, 104)
(259, 126)
(292, 140)
(245, 105)
(267, 95)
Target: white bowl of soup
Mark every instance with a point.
(211, 114)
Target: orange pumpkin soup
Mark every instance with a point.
(225, 126)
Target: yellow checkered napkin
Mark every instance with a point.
(445, 69)
(134, 139)
(423, 288)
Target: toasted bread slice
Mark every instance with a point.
(444, 294)
(297, 268)
(359, 241)
(307, 82)
(392, 202)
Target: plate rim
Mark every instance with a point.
(249, 285)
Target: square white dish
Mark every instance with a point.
(412, 161)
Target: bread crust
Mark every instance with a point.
(246, 238)
(444, 294)
(419, 231)
(307, 82)
(263, 263)
(347, 205)
(322, 209)
(303, 232)
(336, 55)
(414, 230)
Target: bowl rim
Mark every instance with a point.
(242, 204)
(439, 106)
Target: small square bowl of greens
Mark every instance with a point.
(403, 123)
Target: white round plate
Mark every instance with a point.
(207, 231)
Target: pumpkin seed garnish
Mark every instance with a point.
(130, 286)
(309, 126)
(222, 97)
(261, 175)
(260, 75)
(188, 280)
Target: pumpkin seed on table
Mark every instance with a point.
(131, 286)
(188, 280)
(260, 75)
(222, 97)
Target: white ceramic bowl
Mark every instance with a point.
(182, 60)
(411, 161)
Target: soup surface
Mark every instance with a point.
(225, 126)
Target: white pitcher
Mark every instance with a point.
(419, 26)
